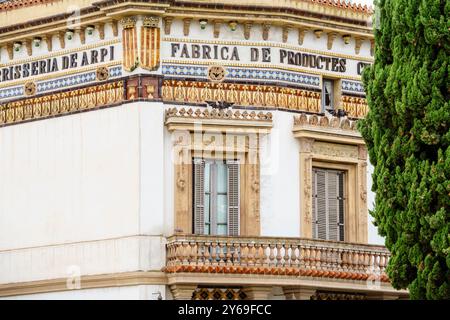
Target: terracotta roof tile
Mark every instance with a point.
(17, 4)
(343, 4)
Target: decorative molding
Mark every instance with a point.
(10, 50)
(115, 27)
(61, 103)
(358, 43)
(133, 278)
(216, 28)
(62, 39)
(325, 122)
(29, 46)
(301, 35)
(29, 88)
(101, 30)
(219, 294)
(186, 26)
(335, 150)
(247, 29)
(265, 31)
(167, 25)
(285, 33)
(128, 22)
(354, 106)
(49, 40)
(318, 33)
(320, 295)
(150, 22)
(330, 39)
(214, 114)
(82, 33)
(241, 95)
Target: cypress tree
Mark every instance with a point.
(407, 135)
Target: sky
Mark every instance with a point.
(368, 2)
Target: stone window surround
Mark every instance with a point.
(334, 148)
(208, 137)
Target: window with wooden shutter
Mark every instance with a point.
(199, 196)
(328, 204)
(233, 197)
(216, 197)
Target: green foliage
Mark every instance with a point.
(407, 134)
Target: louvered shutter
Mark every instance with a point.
(233, 197)
(319, 204)
(332, 204)
(328, 204)
(341, 199)
(199, 196)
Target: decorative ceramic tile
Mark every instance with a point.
(245, 74)
(59, 83)
(11, 92)
(352, 86)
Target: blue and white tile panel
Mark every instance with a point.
(185, 71)
(11, 92)
(354, 87)
(239, 73)
(45, 86)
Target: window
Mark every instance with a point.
(327, 94)
(216, 197)
(328, 204)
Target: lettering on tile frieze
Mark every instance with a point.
(55, 64)
(241, 53)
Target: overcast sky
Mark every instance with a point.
(368, 2)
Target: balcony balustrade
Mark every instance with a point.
(276, 256)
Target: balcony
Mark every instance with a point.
(284, 262)
(276, 256)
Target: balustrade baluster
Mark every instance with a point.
(294, 256)
(236, 259)
(264, 256)
(287, 258)
(251, 254)
(214, 253)
(272, 255)
(221, 254)
(244, 260)
(229, 249)
(200, 249)
(193, 253)
(257, 254)
(278, 262)
(185, 255)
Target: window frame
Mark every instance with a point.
(327, 214)
(332, 82)
(213, 193)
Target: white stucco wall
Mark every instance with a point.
(142, 292)
(83, 190)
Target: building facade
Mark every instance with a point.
(186, 150)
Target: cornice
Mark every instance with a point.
(117, 8)
(218, 120)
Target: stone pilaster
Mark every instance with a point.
(305, 187)
(298, 293)
(258, 292)
(182, 291)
